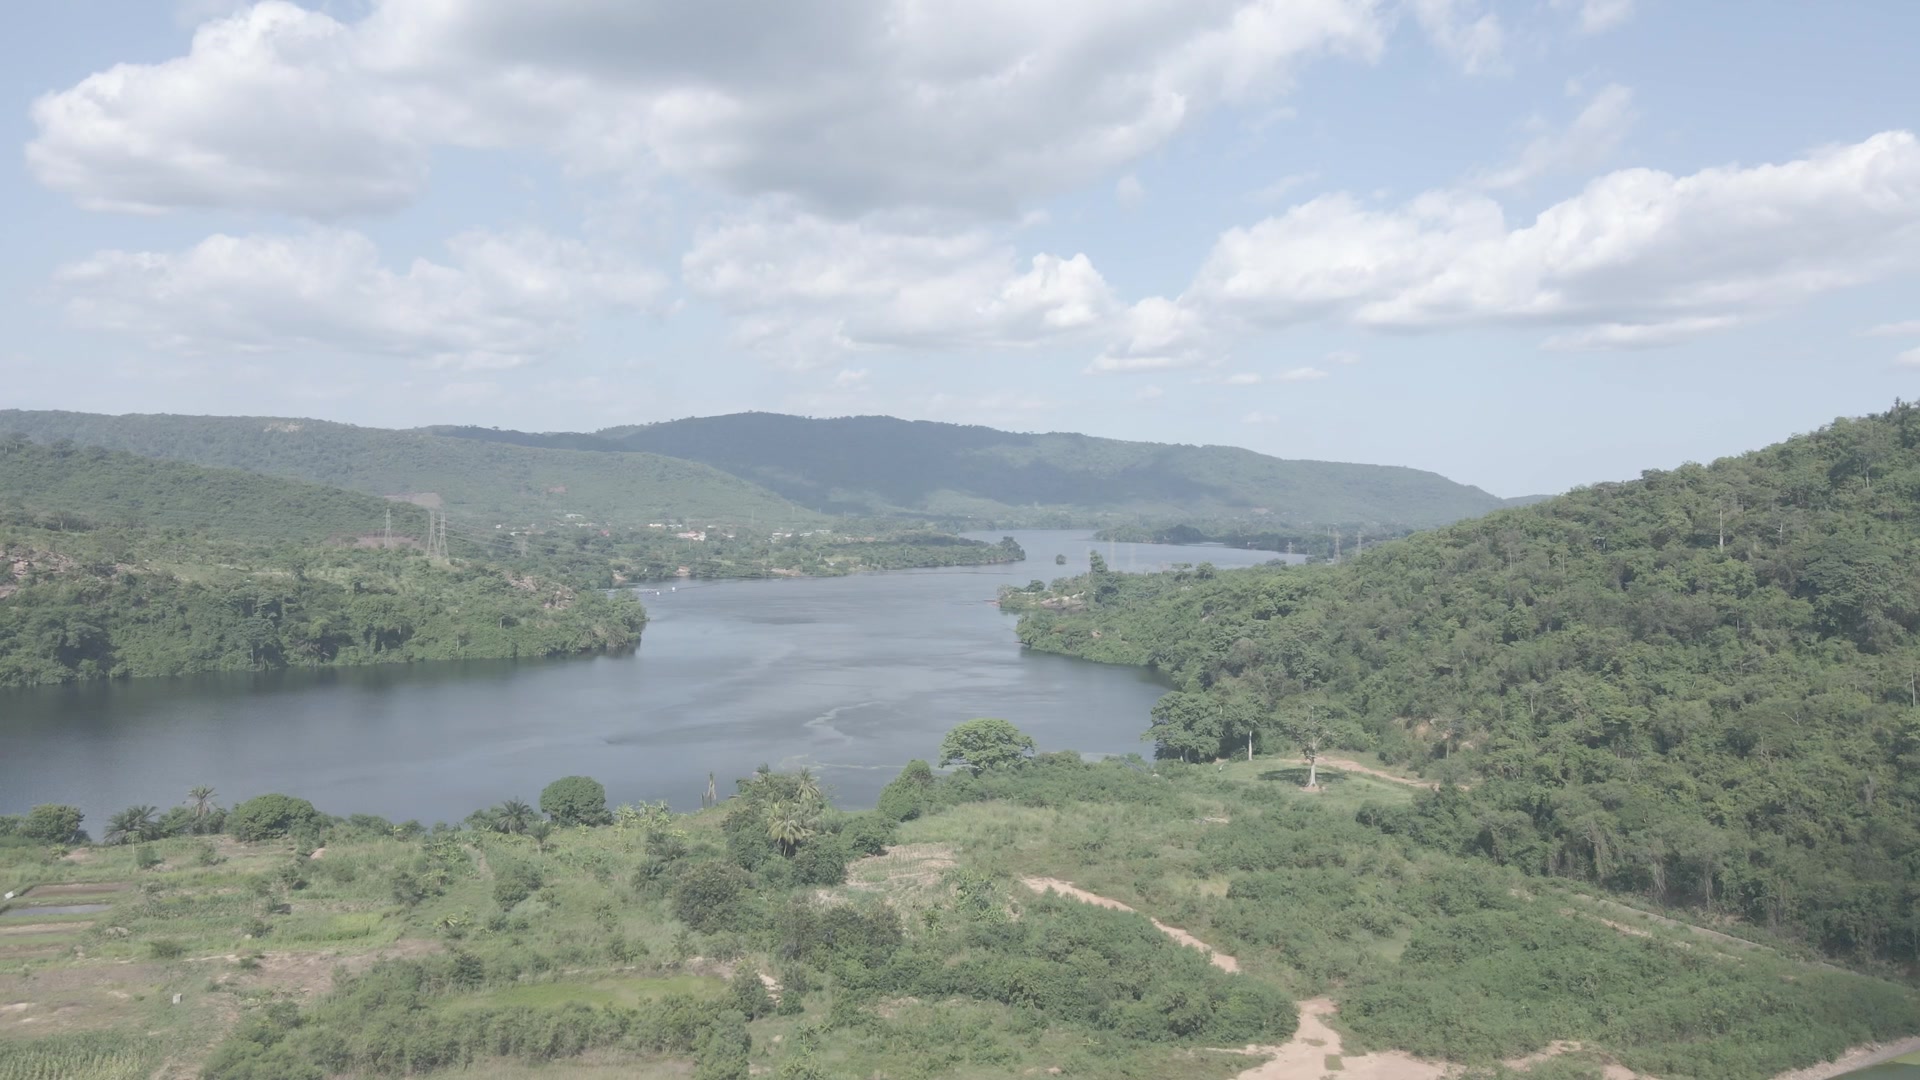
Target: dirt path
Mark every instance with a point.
(1069, 889)
(1350, 765)
(1857, 1058)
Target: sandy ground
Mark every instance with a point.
(1316, 1051)
(1857, 1058)
(1350, 765)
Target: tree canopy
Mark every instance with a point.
(985, 743)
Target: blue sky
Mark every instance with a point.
(1527, 245)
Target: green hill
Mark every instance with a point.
(881, 465)
(58, 485)
(1698, 685)
(483, 482)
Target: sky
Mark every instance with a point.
(1528, 245)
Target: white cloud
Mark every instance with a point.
(1300, 374)
(500, 300)
(809, 286)
(1148, 393)
(851, 378)
(846, 108)
(1257, 417)
(269, 110)
(1255, 378)
(1473, 38)
(1894, 329)
(1910, 358)
(1591, 139)
(1343, 356)
(1129, 192)
(1638, 257)
(1598, 15)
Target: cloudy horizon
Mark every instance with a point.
(1528, 245)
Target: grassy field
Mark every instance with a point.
(220, 938)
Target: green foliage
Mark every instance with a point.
(1697, 686)
(514, 880)
(711, 896)
(482, 481)
(576, 800)
(985, 743)
(85, 1055)
(748, 995)
(52, 823)
(268, 817)
(905, 795)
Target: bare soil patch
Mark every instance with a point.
(1857, 1058)
(1309, 1054)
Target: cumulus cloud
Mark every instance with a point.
(846, 108)
(1639, 257)
(1589, 140)
(499, 301)
(1473, 38)
(270, 109)
(812, 286)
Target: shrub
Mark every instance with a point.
(166, 949)
(514, 881)
(271, 816)
(145, 857)
(708, 895)
(748, 994)
(52, 823)
(576, 800)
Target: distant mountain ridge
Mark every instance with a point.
(884, 465)
(485, 482)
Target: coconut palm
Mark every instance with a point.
(789, 825)
(133, 824)
(807, 786)
(202, 799)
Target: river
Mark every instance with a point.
(851, 676)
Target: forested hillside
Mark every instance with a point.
(115, 565)
(57, 485)
(482, 482)
(882, 465)
(1699, 685)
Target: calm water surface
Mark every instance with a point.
(852, 676)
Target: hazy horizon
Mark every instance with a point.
(1527, 246)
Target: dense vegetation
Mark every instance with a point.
(1698, 686)
(880, 465)
(484, 483)
(777, 935)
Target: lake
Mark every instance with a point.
(851, 676)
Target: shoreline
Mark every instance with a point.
(1856, 1058)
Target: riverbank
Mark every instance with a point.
(1860, 1057)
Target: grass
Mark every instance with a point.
(84, 1056)
(602, 991)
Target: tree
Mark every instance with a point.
(789, 824)
(1311, 728)
(53, 823)
(132, 825)
(267, 817)
(576, 800)
(202, 799)
(985, 743)
(514, 816)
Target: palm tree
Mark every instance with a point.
(540, 831)
(788, 824)
(513, 816)
(807, 786)
(130, 825)
(202, 799)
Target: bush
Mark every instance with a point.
(709, 896)
(272, 816)
(166, 949)
(748, 994)
(868, 834)
(52, 823)
(145, 858)
(514, 881)
(906, 797)
(576, 800)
